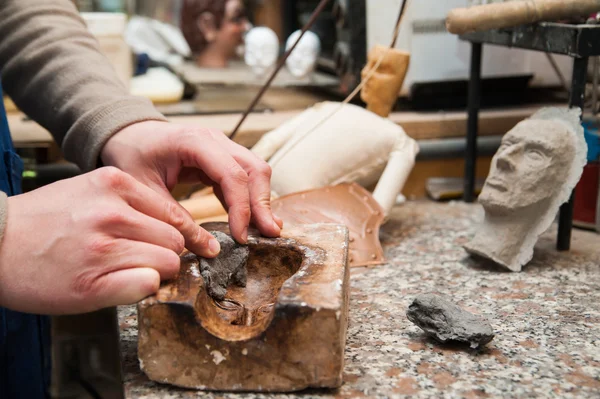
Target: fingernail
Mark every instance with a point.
(276, 226)
(214, 246)
(278, 221)
(245, 235)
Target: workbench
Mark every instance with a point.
(432, 127)
(418, 125)
(546, 318)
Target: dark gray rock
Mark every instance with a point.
(228, 267)
(443, 320)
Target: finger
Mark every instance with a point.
(128, 254)
(219, 166)
(167, 210)
(259, 187)
(197, 239)
(140, 227)
(127, 286)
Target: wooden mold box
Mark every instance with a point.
(284, 331)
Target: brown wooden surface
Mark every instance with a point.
(418, 125)
(233, 100)
(285, 331)
(415, 185)
(268, 13)
(238, 74)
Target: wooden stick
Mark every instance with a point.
(264, 88)
(514, 13)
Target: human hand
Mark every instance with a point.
(97, 240)
(160, 154)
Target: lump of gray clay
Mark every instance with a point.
(532, 174)
(228, 267)
(443, 320)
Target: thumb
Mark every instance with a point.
(197, 240)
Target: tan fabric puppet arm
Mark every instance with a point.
(271, 142)
(396, 172)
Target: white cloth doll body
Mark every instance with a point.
(332, 143)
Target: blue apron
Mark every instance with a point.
(24, 338)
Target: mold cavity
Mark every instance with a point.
(247, 311)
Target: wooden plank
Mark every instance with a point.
(239, 74)
(268, 13)
(26, 133)
(440, 125)
(415, 186)
(229, 100)
(252, 130)
(418, 125)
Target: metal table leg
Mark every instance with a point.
(576, 99)
(474, 98)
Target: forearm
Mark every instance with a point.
(400, 164)
(54, 71)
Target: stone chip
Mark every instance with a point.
(445, 321)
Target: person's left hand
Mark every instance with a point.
(161, 154)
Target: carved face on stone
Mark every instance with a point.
(303, 59)
(382, 90)
(533, 157)
(245, 311)
(262, 49)
(217, 26)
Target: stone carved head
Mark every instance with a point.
(532, 174)
(381, 91)
(303, 59)
(262, 49)
(214, 29)
(527, 167)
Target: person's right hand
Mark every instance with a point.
(97, 240)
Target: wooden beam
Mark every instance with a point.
(268, 13)
(418, 125)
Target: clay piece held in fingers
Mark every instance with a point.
(532, 174)
(446, 322)
(228, 267)
(284, 331)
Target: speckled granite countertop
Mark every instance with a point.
(546, 319)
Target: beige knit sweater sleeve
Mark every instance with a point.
(53, 70)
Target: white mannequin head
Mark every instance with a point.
(262, 49)
(304, 57)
